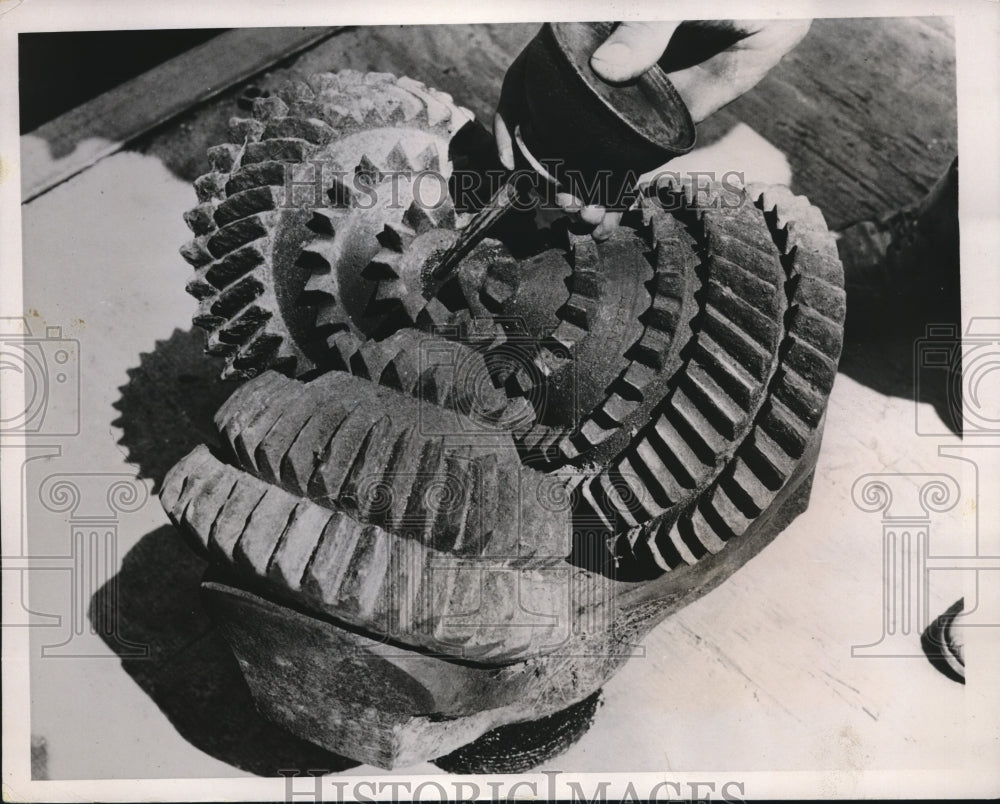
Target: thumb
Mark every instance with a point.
(631, 49)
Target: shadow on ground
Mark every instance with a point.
(914, 357)
(168, 404)
(189, 672)
(166, 410)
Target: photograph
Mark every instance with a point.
(591, 402)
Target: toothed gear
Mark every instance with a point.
(557, 421)
(602, 289)
(655, 356)
(360, 528)
(423, 481)
(681, 367)
(747, 406)
(406, 293)
(275, 275)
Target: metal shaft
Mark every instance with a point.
(512, 191)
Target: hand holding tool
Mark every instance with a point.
(587, 136)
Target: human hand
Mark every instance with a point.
(710, 62)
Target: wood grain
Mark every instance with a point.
(104, 125)
(865, 109)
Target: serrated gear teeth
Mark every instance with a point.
(418, 218)
(368, 173)
(341, 346)
(396, 236)
(201, 219)
(210, 186)
(496, 291)
(326, 121)
(224, 157)
(269, 107)
(316, 256)
(384, 265)
(317, 285)
(324, 222)
(433, 314)
(294, 90)
(682, 365)
(398, 160)
(245, 129)
(412, 304)
(283, 149)
(340, 192)
(429, 159)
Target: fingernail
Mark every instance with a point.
(592, 214)
(611, 57)
(568, 202)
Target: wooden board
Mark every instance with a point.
(100, 127)
(864, 138)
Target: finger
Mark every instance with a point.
(592, 214)
(505, 145)
(778, 36)
(510, 109)
(607, 227)
(709, 86)
(632, 48)
(568, 202)
(703, 89)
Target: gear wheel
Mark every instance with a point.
(656, 353)
(526, 440)
(741, 413)
(293, 205)
(682, 365)
(529, 438)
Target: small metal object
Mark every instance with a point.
(506, 198)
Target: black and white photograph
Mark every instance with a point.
(591, 402)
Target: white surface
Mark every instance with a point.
(757, 675)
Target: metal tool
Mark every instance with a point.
(588, 137)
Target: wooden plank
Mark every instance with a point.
(468, 61)
(864, 109)
(72, 142)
